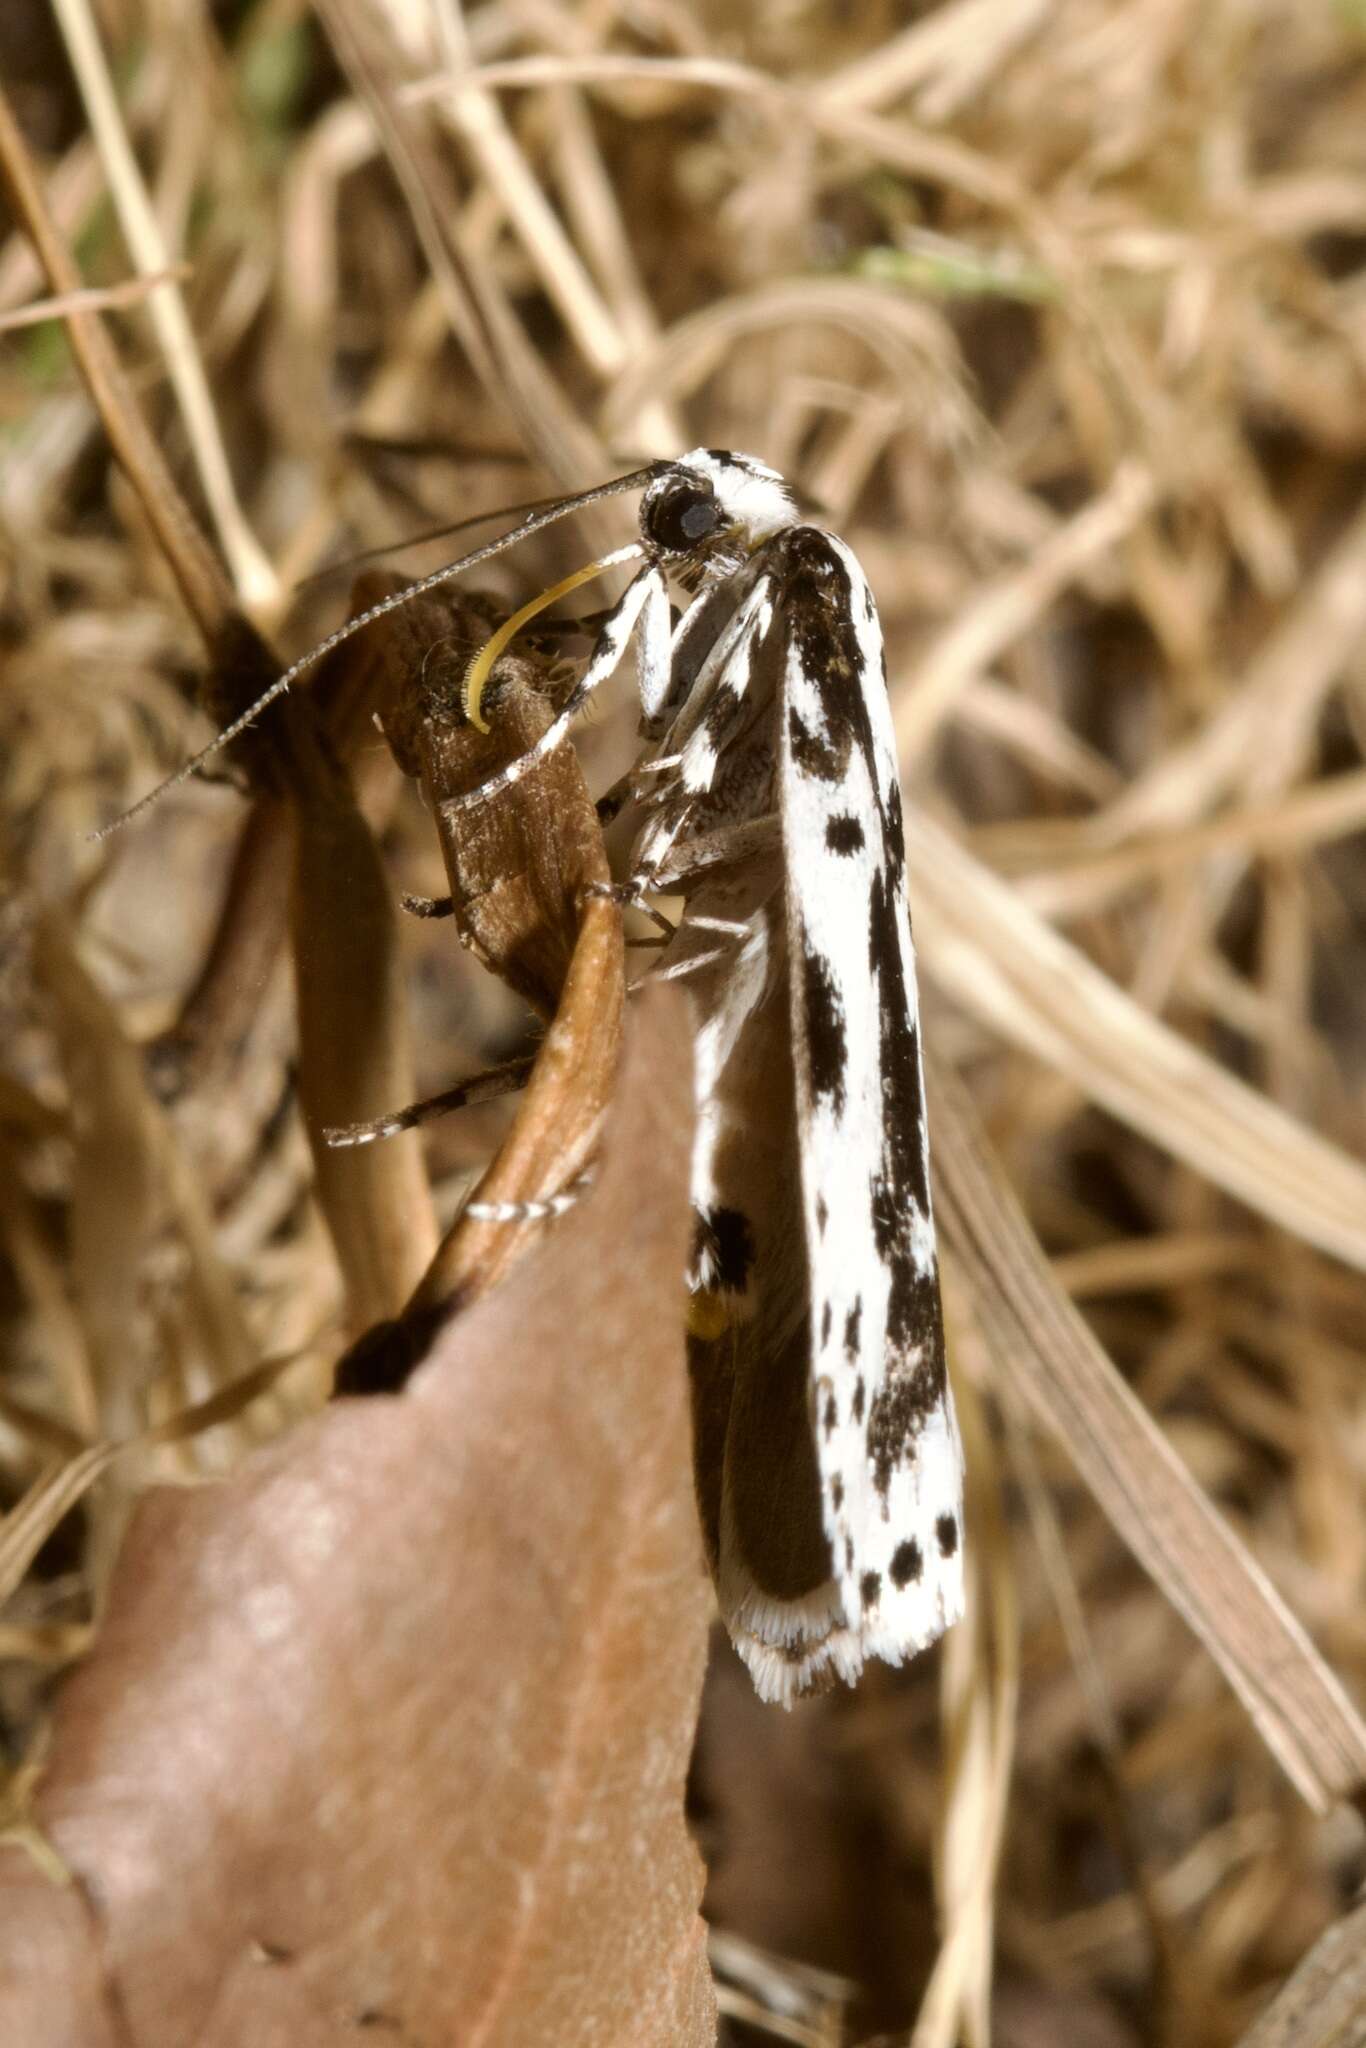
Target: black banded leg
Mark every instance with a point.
(504, 1080)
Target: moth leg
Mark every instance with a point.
(532, 1212)
(549, 632)
(654, 652)
(504, 1080)
(686, 862)
(629, 895)
(427, 906)
(681, 969)
(675, 866)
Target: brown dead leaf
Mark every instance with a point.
(390, 1731)
(517, 866)
(518, 869)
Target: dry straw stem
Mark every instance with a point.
(1083, 881)
(132, 1189)
(506, 173)
(378, 60)
(354, 1057)
(91, 299)
(1058, 1368)
(256, 583)
(1013, 972)
(202, 583)
(319, 1658)
(981, 1684)
(998, 616)
(1259, 740)
(59, 1488)
(224, 1046)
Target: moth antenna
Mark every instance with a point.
(417, 540)
(557, 509)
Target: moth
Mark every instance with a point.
(767, 800)
(828, 1456)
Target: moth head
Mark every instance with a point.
(711, 496)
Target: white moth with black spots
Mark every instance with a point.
(829, 1465)
(828, 1460)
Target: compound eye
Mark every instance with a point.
(679, 519)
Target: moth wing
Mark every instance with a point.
(887, 1440)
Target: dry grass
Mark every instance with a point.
(1059, 313)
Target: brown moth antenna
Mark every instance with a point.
(551, 510)
(417, 540)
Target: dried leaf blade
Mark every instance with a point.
(399, 1677)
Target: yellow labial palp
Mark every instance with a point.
(479, 670)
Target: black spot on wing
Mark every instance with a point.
(844, 834)
(946, 1529)
(817, 604)
(826, 1315)
(813, 756)
(896, 1418)
(722, 1250)
(726, 708)
(907, 1564)
(848, 1553)
(869, 1586)
(830, 1418)
(822, 1214)
(894, 834)
(860, 1396)
(823, 1015)
(852, 1332)
(914, 1329)
(837, 1492)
